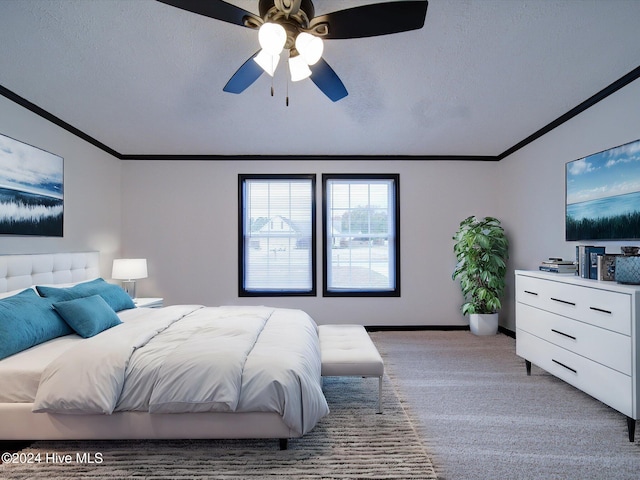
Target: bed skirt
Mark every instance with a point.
(18, 422)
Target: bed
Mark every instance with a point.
(182, 371)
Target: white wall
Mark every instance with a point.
(183, 217)
(92, 210)
(532, 190)
(193, 207)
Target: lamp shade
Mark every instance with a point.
(298, 68)
(129, 268)
(272, 37)
(310, 47)
(267, 61)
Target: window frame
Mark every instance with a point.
(326, 253)
(242, 291)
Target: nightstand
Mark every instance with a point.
(148, 302)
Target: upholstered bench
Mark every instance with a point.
(347, 351)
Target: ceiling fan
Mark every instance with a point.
(291, 25)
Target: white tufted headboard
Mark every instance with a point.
(23, 271)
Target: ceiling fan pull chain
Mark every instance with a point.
(287, 77)
(287, 99)
(272, 76)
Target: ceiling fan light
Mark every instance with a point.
(272, 37)
(267, 61)
(298, 68)
(310, 47)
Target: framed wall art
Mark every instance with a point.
(603, 195)
(31, 190)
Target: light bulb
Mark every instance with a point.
(310, 47)
(272, 37)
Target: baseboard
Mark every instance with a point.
(507, 332)
(408, 328)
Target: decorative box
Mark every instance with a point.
(628, 269)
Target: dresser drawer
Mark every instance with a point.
(532, 291)
(608, 348)
(603, 308)
(607, 385)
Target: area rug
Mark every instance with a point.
(353, 441)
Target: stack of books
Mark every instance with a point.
(587, 260)
(558, 265)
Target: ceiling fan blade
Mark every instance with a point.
(214, 9)
(327, 80)
(248, 73)
(375, 19)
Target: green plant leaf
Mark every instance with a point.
(481, 249)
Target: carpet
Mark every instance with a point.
(351, 442)
(486, 419)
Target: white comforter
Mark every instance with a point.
(189, 358)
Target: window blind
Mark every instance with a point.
(278, 230)
(361, 234)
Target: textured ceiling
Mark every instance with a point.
(145, 78)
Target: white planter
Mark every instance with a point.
(483, 323)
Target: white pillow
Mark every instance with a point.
(63, 285)
(54, 285)
(14, 292)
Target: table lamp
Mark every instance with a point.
(128, 270)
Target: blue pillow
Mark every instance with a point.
(88, 316)
(27, 320)
(114, 295)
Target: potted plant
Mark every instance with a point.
(481, 249)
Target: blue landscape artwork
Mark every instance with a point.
(31, 190)
(603, 195)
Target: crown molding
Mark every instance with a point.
(591, 101)
(5, 92)
(364, 158)
(588, 103)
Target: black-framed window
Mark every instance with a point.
(361, 234)
(277, 235)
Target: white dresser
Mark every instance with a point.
(584, 332)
